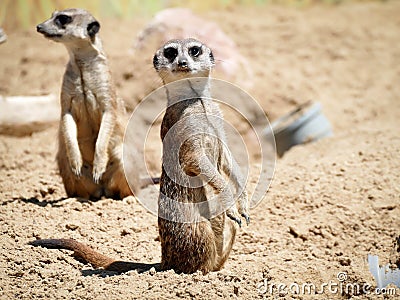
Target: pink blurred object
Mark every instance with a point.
(179, 23)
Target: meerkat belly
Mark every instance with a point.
(186, 247)
(184, 232)
(88, 119)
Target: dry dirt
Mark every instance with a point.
(331, 203)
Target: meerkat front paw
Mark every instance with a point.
(99, 167)
(76, 166)
(233, 213)
(243, 204)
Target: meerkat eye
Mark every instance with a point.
(195, 51)
(170, 53)
(62, 20)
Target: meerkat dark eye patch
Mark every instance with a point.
(62, 20)
(195, 51)
(170, 53)
(93, 28)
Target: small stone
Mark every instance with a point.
(152, 271)
(43, 192)
(345, 261)
(71, 226)
(125, 232)
(236, 290)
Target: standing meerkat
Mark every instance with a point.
(191, 239)
(194, 145)
(91, 131)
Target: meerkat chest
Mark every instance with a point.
(84, 90)
(191, 126)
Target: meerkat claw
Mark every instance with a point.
(77, 172)
(247, 218)
(237, 220)
(96, 178)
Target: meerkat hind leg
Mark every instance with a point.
(86, 184)
(235, 175)
(224, 238)
(82, 186)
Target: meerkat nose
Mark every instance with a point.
(39, 28)
(183, 63)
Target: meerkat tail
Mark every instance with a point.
(81, 251)
(144, 182)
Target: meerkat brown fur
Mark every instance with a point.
(205, 242)
(91, 134)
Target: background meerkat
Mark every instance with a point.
(91, 131)
(198, 140)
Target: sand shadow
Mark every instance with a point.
(120, 267)
(36, 201)
(55, 203)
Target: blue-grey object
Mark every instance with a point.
(383, 275)
(3, 36)
(304, 124)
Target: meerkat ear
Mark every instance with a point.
(212, 57)
(155, 61)
(93, 28)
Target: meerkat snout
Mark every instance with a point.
(69, 25)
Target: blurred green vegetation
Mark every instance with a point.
(26, 13)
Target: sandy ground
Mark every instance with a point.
(331, 203)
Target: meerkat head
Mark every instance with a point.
(178, 59)
(69, 26)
